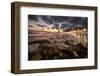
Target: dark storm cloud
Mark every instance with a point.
(65, 21)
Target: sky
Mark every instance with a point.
(65, 22)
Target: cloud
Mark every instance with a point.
(65, 22)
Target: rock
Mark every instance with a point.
(36, 57)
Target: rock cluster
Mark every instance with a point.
(47, 50)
